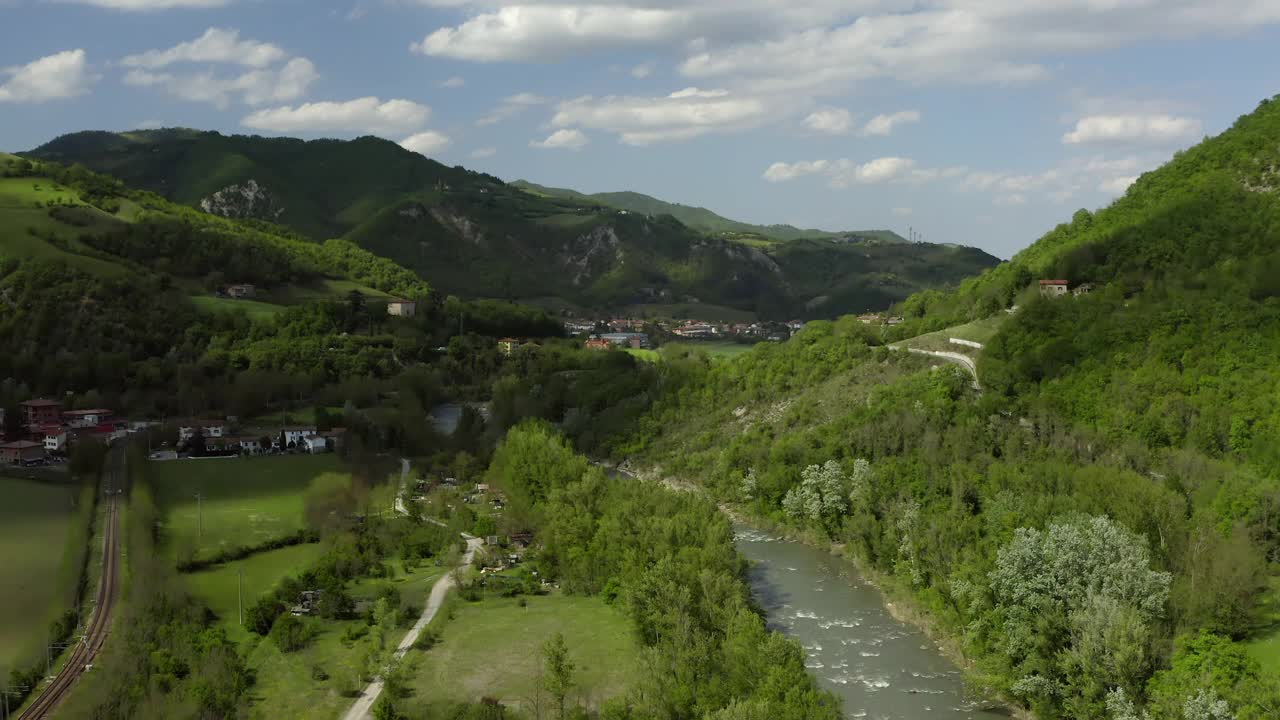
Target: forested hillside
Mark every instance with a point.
(1098, 528)
(702, 219)
(112, 291)
(471, 234)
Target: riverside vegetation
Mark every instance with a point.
(1095, 529)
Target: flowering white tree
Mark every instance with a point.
(1095, 575)
(820, 495)
(749, 485)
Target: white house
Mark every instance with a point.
(55, 440)
(208, 428)
(246, 445)
(87, 418)
(315, 444)
(402, 308)
(295, 435)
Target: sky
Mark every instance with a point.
(979, 122)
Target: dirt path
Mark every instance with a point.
(362, 709)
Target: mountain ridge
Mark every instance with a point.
(700, 218)
(473, 235)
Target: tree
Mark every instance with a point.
(820, 496)
(559, 672)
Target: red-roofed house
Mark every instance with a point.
(41, 412)
(1054, 288)
(23, 452)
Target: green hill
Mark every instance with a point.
(1177, 344)
(473, 235)
(1096, 531)
(702, 219)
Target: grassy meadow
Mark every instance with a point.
(35, 524)
(493, 649)
(287, 684)
(246, 501)
(1266, 646)
(219, 586)
(979, 331)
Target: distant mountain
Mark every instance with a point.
(700, 218)
(473, 235)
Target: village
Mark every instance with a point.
(48, 433)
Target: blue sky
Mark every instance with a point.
(982, 122)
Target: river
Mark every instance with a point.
(879, 667)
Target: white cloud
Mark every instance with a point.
(150, 4)
(562, 139)
(884, 124)
(368, 114)
(511, 107)
(427, 142)
(484, 152)
(783, 172)
(540, 32)
(834, 121)
(255, 87)
(902, 211)
(53, 77)
(454, 82)
(880, 170)
(271, 75)
(1117, 186)
(681, 115)
(841, 173)
(642, 71)
(216, 45)
(1134, 129)
(1010, 200)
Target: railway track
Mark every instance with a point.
(84, 652)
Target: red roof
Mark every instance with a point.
(21, 445)
(42, 403)
(99, 411)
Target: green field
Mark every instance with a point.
(1266, 646)
(218, 586)
(34, 526)
(245, 501)
(254, 309)
(492, 649)
(715, 348)
(285, 686)
(980, 331)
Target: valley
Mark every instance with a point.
(325, 428)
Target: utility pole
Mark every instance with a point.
(199, 520)
(48, 655)
(240, 593)
(17, 691)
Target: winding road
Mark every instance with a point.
(363, 706)
(84, 652)
(960, 359)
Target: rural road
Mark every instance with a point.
(963, 361)
(362, 709)
(84, 652)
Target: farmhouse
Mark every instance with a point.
(23, 452)
(207, 428)
(86, 418)
(294, 436)
(506, 346)
(54, 439)
(1082, 289)
(627, 339)
(599, 344)
(696, 330)
(315, 444)
(1054, 288)
(246, 444)
(402, 308)
(242, 292)
(41, 412)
